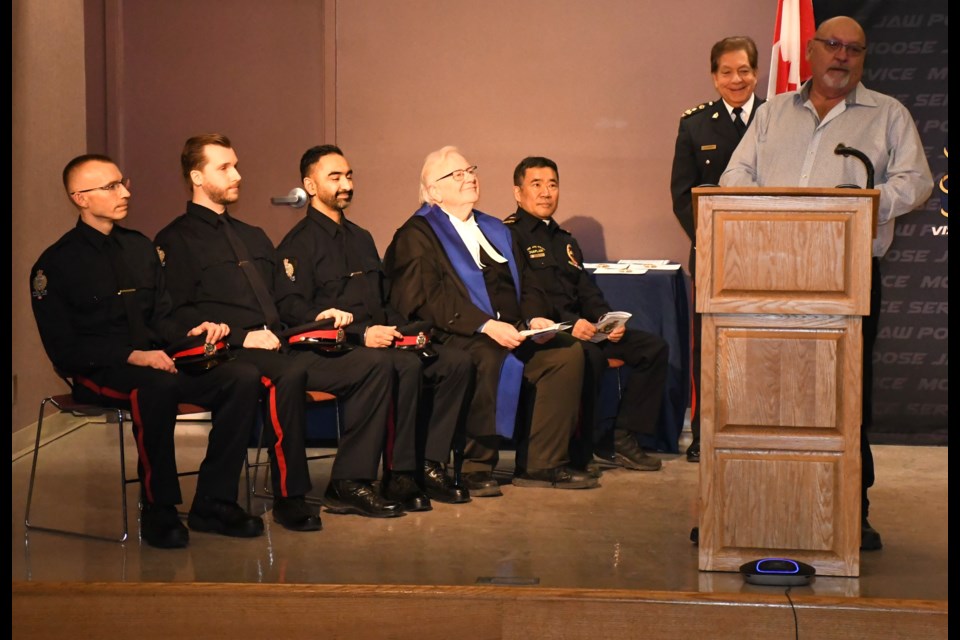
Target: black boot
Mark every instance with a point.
(402, 487)
(441, 487)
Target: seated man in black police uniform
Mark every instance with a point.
(556, 263)
(331, 262)
(458, 269)
(104, 318)
(222, 267)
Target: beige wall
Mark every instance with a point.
(598, 86)
(48, 128)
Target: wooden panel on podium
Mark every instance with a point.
(783, 278)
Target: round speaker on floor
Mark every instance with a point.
(778, 572)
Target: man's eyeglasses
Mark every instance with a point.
(833, 46)
(459, 174)
(113, 186)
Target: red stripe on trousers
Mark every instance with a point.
(277, 432)
(141, 450)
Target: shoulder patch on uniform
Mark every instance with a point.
(290, 268)
(697, 109)
(510, 219)
(39, 283)
(571, 258)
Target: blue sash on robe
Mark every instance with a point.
(511, 371)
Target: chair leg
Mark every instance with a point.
(33, 472)
(257, 464)
(267, 491)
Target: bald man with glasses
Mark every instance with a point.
(791, 144)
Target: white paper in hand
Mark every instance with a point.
(547, 331)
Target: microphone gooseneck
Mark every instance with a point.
(844, 150)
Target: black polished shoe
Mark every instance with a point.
(869, 537)
(160, 526)
(693, 451)
(295, 514)
(629, 455)
(440, 486)
(562, 477)
(357, 496)
(225, 518)
(482, 484)
(402, 487)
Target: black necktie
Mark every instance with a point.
(126, 289)
(270, 314)
(738, 121)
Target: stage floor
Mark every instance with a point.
(630, 533)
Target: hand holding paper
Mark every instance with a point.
(547, 331)
(608, 322)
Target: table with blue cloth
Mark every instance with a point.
(659, 303)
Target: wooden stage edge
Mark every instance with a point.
(196, 610)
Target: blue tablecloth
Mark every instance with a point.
(660, 304)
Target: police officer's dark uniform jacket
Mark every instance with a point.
(205, 279)
(556, 263)
(706, 140)
(78, 303)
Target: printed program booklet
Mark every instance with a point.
(608, 322)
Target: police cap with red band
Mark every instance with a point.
(320, 336)
(194, 355)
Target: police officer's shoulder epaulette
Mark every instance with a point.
(510, 219)
(697, 109)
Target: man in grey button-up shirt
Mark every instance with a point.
(791, 143)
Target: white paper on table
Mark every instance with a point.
(620, 267)
(659, 265)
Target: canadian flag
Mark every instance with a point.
(794, 28)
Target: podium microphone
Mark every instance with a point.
(844, 150)
(297, 198)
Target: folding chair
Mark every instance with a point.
(66, 404)
(313, 398)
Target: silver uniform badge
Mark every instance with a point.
(39, 285)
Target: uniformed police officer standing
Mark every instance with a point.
(219, 266)
(330, 261)
(556, 262)
(104, 317)
(707, 137)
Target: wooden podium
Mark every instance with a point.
(782, 283)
